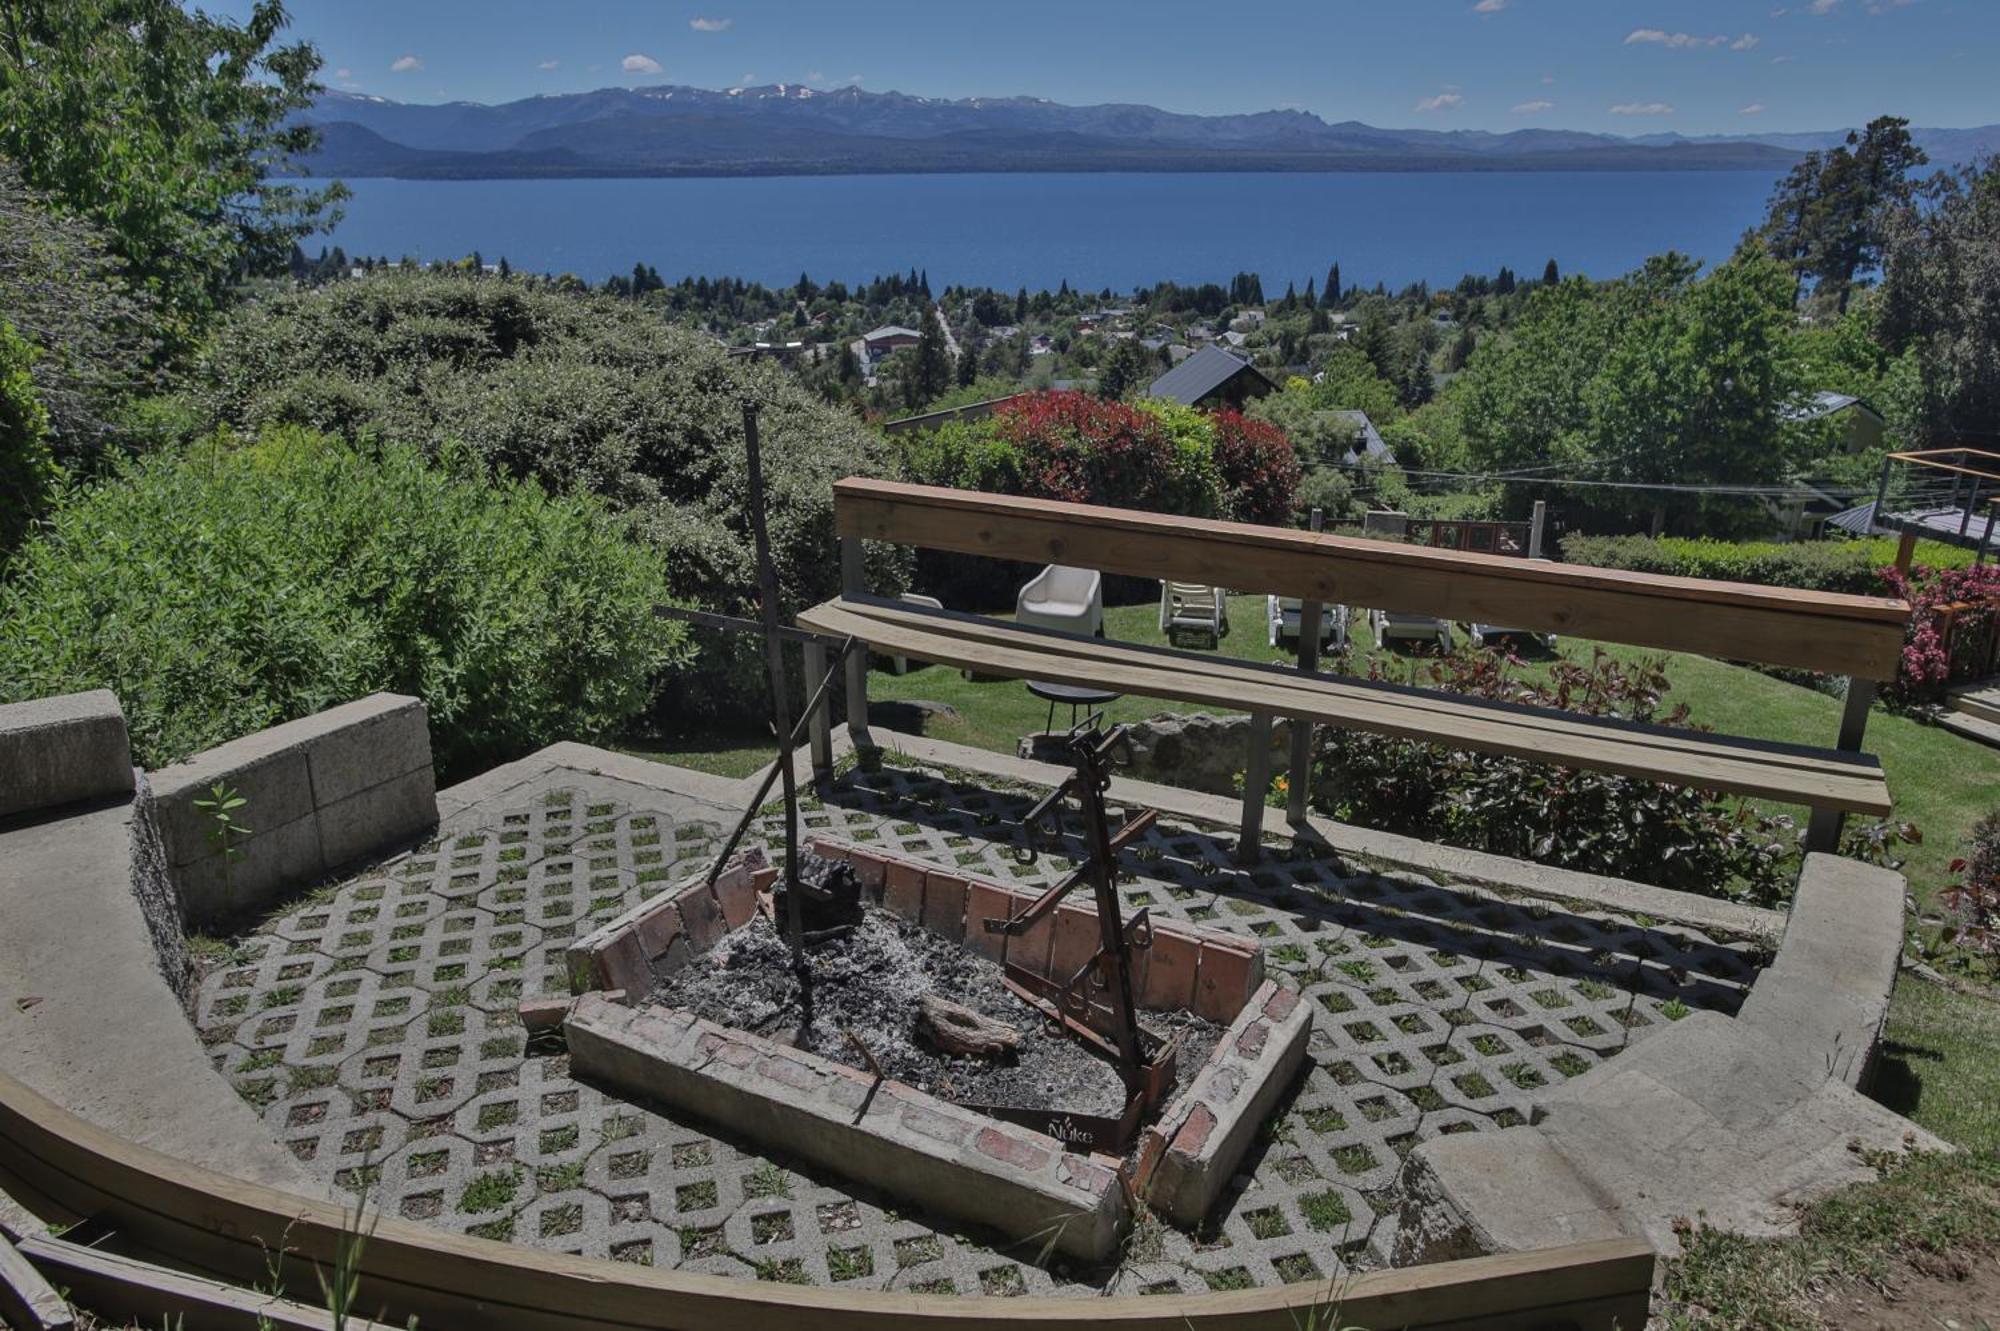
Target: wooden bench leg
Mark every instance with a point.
(1256, 782)
(822, 717)
(1310, 614)
(1823, 830)
(854, 582)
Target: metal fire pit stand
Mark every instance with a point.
(1095, 1005)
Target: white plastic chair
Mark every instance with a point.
(1417, 628)
(900, 665)
(1281, 615)
(1061, 597)
(1193, 608)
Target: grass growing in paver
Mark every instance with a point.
(767, 1180)
(1325, 1210)
(491, 1191)
(850, 1263)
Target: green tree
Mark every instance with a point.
(60, 288)
(1693, 388)
(165, 126)
(930, 373)
(1128, 368)
(1941, 304)
(1350, 381)
(27, 472)
(1827, 216)
(1551, 274)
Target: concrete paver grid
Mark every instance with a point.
(373, 1024)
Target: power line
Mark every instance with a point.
(1791, 491)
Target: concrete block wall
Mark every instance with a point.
(892, 1136)
(63, 750)
(322, 792)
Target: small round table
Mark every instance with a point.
(1076, 695)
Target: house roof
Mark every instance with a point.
(1201, 374)
(889, 330)
(1827, 403)
(1372, 446)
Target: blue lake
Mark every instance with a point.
(1094, 231)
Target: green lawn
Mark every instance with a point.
(1940, 782)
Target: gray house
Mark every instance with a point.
(1212, 378)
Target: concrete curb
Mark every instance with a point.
(323, 792)
(1738, 1121)
(56, 751)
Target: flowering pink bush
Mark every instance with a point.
(1927, 663)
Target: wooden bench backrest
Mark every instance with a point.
(1781, 626)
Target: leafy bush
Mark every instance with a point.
(1154, 455)
(1930, 662)
(579, 392)
(1828, 566)
(26, 470)
(1595, 822)
(221, 590)
(1971, 938)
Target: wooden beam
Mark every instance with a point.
(230, 1227)
(144, 1294)
(27, 1300)
(1823, 631)
(1788, 773)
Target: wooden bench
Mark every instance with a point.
(1857, 636)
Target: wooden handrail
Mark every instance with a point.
(1835, 633)
(233, 1228)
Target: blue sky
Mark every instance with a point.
(1625, 66)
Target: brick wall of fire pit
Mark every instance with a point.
(1023, 1182)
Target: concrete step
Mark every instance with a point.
(1982, 702)
(1971, 727)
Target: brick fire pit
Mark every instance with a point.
(1026, 1183)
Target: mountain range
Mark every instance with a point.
(789, 129)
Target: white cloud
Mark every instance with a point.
(343, 73)
(640, 64)
(1489, 6)
(408, 64)
(1884, 6)
(814, 76)
(1676, 41)
(1747, 42)
(1783, 59)
(1754, 109)
(1548, 79)
(710, 24)
(1535, 107)
(1821, 8)
(548, 65)
(1444, 101)
(1643, 109)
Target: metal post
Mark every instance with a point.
(1823, 830)
(822, 717)
(774, 657)
(1256, 781)
(1965, 522)
(854, 582)
(1302, 729)
(1881, 496)
(1537, 524)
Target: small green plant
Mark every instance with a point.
(218, 810)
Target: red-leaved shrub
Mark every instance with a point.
(1260, 470)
